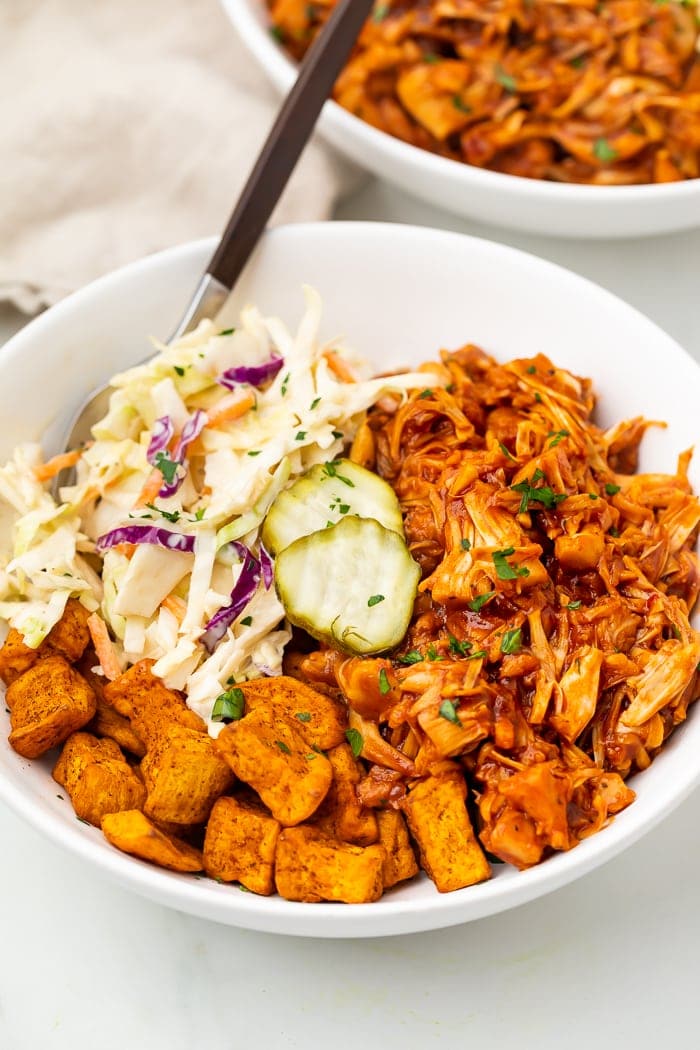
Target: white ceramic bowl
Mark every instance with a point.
(504, 200)
(399, 294)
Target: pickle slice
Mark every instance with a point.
(352, 585)
(325, 495)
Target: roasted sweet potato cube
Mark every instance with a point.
(437, 816)
(400, 862)
(16, 657)
(184, 776)
(132, 832)
(321, 719)
(341, 815)
(107, 722)
(97, 778)
(240, 843)
(149, 705)
(70, 636)
(48, 703)
(309, 866)
(267, 751)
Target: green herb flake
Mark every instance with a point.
(463, 107)
(577, 63)
(531, 370)
(254, 451)
(179, 369)
(512, 641)
(465, 544)
(481, 654)
(476, 604)
(337, 434)
(283, 747)
(614, 532)
(592, 495)
(277, 33)
(432, 654)
(557, 436)
(228, 706)
(506, 453)
(448, 711)
(612, 490)
(538, 398)
(354, 739)
(315, 403)
(675, 630)
(343, 508)
(384, 683)
(285, 384)
(431, 58)
(300, 435)
(331, 470)
(504, 570)
(411, 657)
(167, 466)
(380, 12)
(247, 621)
(574, 605)
(199, 514)
(505, 79)
(303, 716)
(603, 151)
(310, 757)
(169, 515)
(375, 599)
(227, 331)
(424, 394)
(459, 648)
(544, 494)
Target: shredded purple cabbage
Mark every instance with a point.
(191, 430)
(172, 541)
(255, 375)
(160, 438)
(243, 591)
(267, 566)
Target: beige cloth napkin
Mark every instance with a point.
(127, 126)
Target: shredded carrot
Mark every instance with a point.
(176, 606)
(150, 489)
(104, 647)
(54, 466)
(230, 408)
(338, 367)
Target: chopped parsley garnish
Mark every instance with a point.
(556, 436)
(331, 471)
(303, 716)
(254, 451)
(343, 508)
(179, 369)
(199, 514)
(314, 404)
(531, 370)
(459, 648)
(277, 33)
(285, 383)
(480, 601)
(384, 683)
(300, 435)
(577, 63)
(675, 630)
(504, 570)
(169, 515)
(512, 641)
(376, 598)
(227, 331)
(465, 544)
(463, 107)
(228, 706)
(538, 398)
(504, 450)
(479, 655)
(283, 747)
(574, 605)
(432, 654)
(543, 494)
(354, 739)
(592, 495)
(411, 657)
(167, 466)
(604, 151)
(505, 79)
(425, 393)
(337, 434)
(614, 532)
(247, 621)
(611, 490)
(448, 711)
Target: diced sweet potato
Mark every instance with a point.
(97, 778)
(267, 751)
(184, 776)
(437, 815)
(16, 657)
(48, 703)
(400, 862)
(309, 866)
(69, 638)
(341, 815)
(240, 843)
(321, 719)
(107, 722)
(149, 705)
(132, 832)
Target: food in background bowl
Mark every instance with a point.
(549, 653)
(601, 93)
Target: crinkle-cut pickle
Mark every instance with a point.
(352, 585)
(327, 493)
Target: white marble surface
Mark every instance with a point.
(611, 961)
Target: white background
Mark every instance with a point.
(609, 962)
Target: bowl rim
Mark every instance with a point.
(391, 915)
(248, 21)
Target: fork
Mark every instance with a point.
(275, 163)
